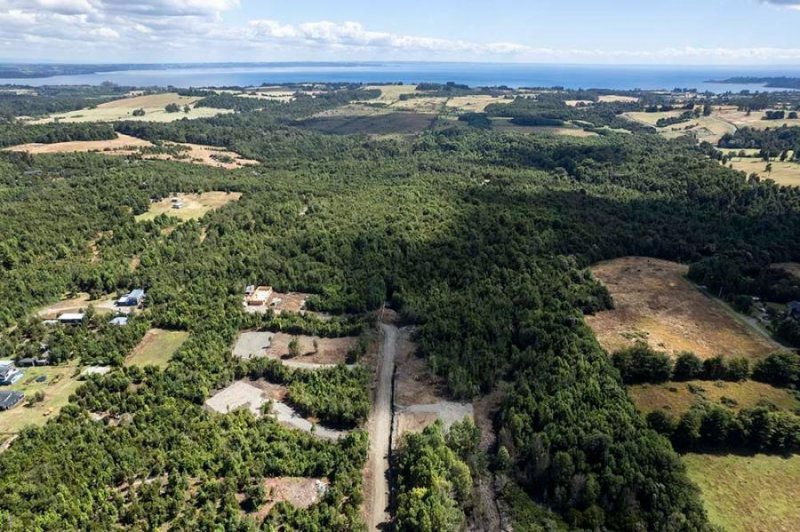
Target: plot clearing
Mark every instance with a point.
(755, 120)
(192, 206)
(125, 146)
(418, 394)
(58, 385)
(81, 302)
(748, 493)
(656, 304)
(300, 492)
(152, 104)
(280, 302)
(328, 351)
(784, 173)
(422, 104)
(704, 128)
(790, 267)
(476, 103)
(156, 348)
(391, 93)
(615, 98)
(678, 397)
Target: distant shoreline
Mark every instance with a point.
(781, 82)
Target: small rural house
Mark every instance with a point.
(259, 297)
(71, 318)
(9, 374)
(132, 299)
(9, 400)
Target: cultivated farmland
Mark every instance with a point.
(656, 304)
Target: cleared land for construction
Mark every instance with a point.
(678, 397)
(748, 493)
(194, 206)
(240, 394)
(78, 303)
(327, 351)
(280, 302)
(654, 303)
(300, 492)
(156, 348)
(58, 385)
(125, 145)
(153, 105)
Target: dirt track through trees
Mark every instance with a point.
(380, 429)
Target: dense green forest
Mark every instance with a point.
(479, 238)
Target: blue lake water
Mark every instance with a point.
(473, 74)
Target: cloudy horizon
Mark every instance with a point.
(168, 31)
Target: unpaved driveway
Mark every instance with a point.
(380, 429)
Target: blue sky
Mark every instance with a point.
(737, 32)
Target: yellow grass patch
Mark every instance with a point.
(392, 93)
(475, 103)
(576, 103)
(656, 304)
(152, 104)
(156, 348)
(650, 119)
(784, 173)
(122, 145)
(57, 388)
(612, 98)
(676, 397)
(755, 120)
(194, 205)
(748, 493)
(422, 104)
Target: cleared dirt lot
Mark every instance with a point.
(328, 351)
(748, 493)
(678, 397)
(300, 492)
(153, 105)
(280, 302)
(79, 303)
(194, 205)
(656, 304)
(240, 394)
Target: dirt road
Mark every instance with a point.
(380, 429)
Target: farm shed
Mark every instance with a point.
(9, 400)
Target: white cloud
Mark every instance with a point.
(193, 30)
(791, 4)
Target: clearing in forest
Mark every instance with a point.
(79, 303)
(615, 98)
(328, 351)
(755, 120)
(748, 493)
(154, 106)
(59, 383)
(567, 130)
(476, 103)
(790, 267)
(785, 173)
(300, 492)
(191, 206)
(125, 145)
(156, 348)
(391, 93)
(655, 303)
(676, 398)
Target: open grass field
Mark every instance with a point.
(152, 104)
(678, 397)
(476, 103)
(125, 145)
(391, 93)
(791, 267)
(783, 173)
(650, 119)
(656, 304)
(613, 98)
(156, 348)
(57, 388)
(748, 493)
(422, 104)
(738, 118)
(194, 205)
(705, 128)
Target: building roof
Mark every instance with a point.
(137, 293)
(119, 320)
(71, 316)
(9, 399)
(6, 371)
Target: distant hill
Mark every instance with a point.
(781, 82)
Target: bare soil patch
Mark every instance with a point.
(328, 350)
(280, 302)
(300, 492)
(240, 394)
(656, 304)
(122, 145)
(79, 303)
